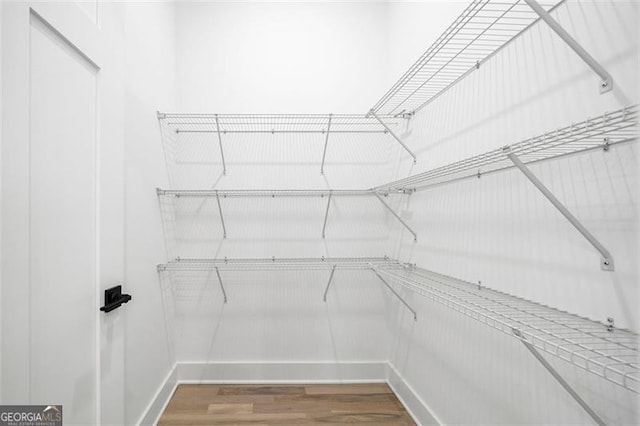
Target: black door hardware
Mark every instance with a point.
(113, 298)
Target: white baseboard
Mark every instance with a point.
(281, 372)
(287, 372)
(160, 400)
(417, 408)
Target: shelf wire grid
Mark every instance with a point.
(273, 123)
(278, 264)
(482, 29)
(265, 192)
(595, 133)
(200, 148)
(607, 352)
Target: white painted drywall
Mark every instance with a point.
(280, 57)
(149, 65)
(501, 231)
(268, 57)
(286, 57)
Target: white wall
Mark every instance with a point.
(501, 231)
(149, 65)
(267, 57)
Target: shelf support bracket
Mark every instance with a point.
(415, 315)
(415, 236)
(224, 293)
(326, 141)
(326, 216)
(326, 290)
(606, 261)
(224, 164)
(562, 382)
(224, 228)
(372, 112)
(606, 83)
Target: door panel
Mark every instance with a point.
(63, 134)
(62, 207)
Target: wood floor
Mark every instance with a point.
(266, 405)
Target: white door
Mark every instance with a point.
(61, 209)
(63, 86)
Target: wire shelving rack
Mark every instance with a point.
(232, 193)
(306, 128)
(598, 348)
(273, 123)
(482, 29)
(220, 195)
(278, 264)
(595, 133)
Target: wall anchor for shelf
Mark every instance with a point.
(161, 115)
(224, 228)
(562, 382)
(415, 315)
(224, 293)
(326, 142)
(606, 145)
(415, 236)
(606, 260)
(606, 83)
(406, 115)
(326, 216)
(610, 324)
(329, 283)
(372, 112)
(224, 165)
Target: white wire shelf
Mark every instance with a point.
(595, 133)
(265, 192)
(268, 264)
(476, 35)
(273, 123)
(598, 348)
(193, 138)
(282, 193)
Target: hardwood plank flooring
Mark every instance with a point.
(269, 405)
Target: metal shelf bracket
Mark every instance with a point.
(606, 261)
(326, 141)
(224, 228)
(415, 236)
(326, 290)
(224, 165)
(326, 215)
(559, 378)
(224, 293)
(606, 83)
(372, 113)
(395, 293)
